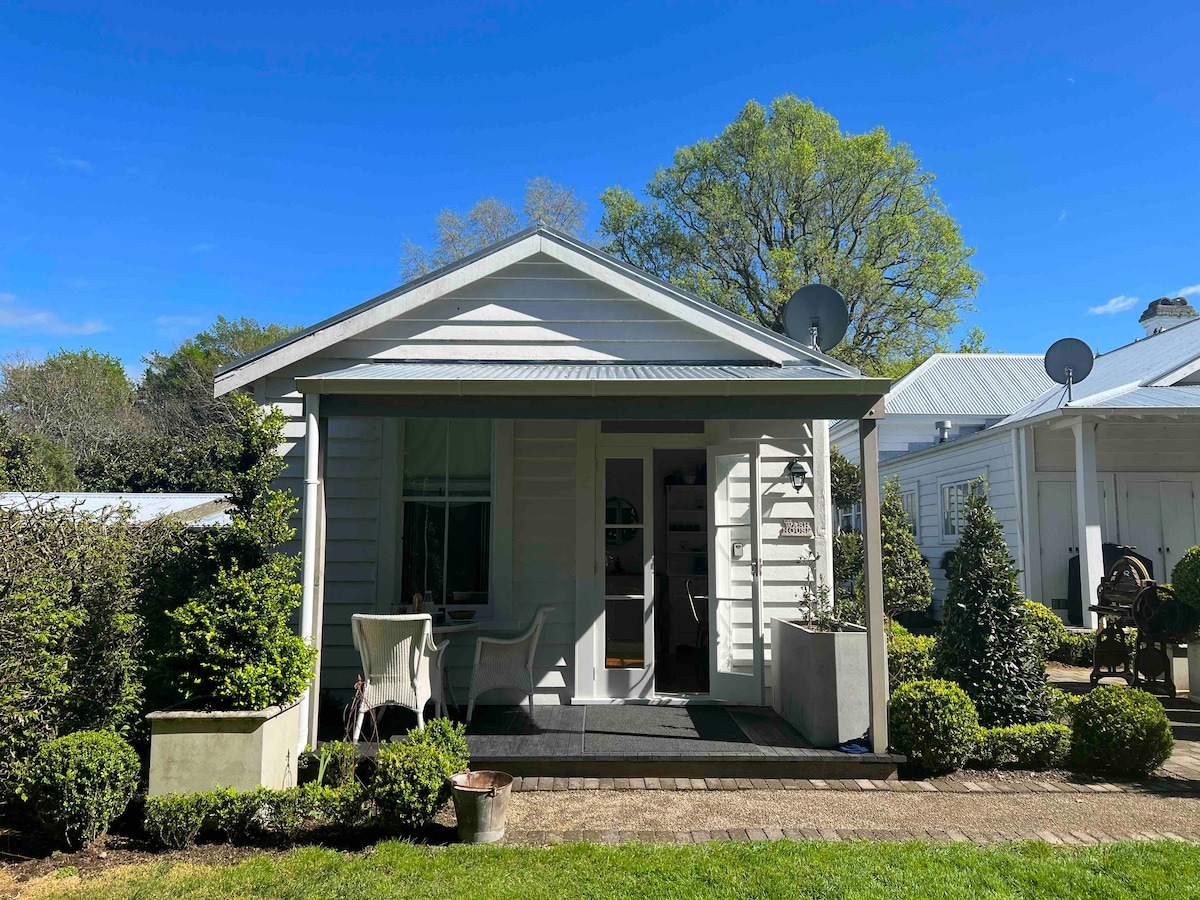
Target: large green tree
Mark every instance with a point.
(458, 234)
(783, 198)
(176, 392)
(76, 400)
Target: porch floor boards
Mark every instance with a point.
(698, 741)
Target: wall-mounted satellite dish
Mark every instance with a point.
(816, 315)
(1069, 361)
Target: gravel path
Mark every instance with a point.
(687, 811)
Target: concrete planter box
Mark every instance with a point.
(196, 751)
(821, 686)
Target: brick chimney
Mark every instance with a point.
(1165, 313)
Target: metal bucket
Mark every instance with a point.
(480, 805)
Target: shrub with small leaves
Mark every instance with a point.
(175, 820)
(1122, 730)
(1045, 745)
(1185, 580)
(1047, 629)
(1062, 705)
(910, 656)
(79, 784)
(411, 780)
(934, 723)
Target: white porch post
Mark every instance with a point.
(308, 558)
(877, 668)
(1087, 493)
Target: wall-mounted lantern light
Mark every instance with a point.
(798, 473)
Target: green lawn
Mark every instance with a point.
(784, 869)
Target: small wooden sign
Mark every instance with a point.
(795, 528)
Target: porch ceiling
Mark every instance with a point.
(559, 390)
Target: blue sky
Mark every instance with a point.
(163, 165)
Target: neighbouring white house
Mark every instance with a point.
(1117, 463)
(540, 423)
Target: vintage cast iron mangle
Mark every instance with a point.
(1127, 597)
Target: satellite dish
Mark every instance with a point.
(816, 315)
(1069, 361)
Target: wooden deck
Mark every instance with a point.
(695, 741)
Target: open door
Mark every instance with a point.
(734, 605)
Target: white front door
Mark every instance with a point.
(734, 603)
(625, 638)
(1058, 537)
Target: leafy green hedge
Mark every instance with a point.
(77, 785)
(1122, 730)
(910, 656)
(934, 723)
(1047, 629)
(1046, 745)
(407, 788)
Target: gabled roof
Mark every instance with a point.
(1140, 375)
(773, 348)
(969, 384)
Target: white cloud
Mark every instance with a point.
(1113, 306)
(42, 321)
(1190, 291)
(67, 162)
(177, 326)
(1062, 216)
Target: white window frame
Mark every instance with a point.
(490, 498)
(965, 488)
(911, 501)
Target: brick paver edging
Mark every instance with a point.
(949, 835)
(932, 785)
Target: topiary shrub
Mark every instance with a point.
(907, 586)
(1062, 705)
(411, 781)
(1046, 629)
(910, 656)
(1185, 581)
(1045, 745)
(77, 785)
(934, 723)
(1121, 730)
(175, 820)
(985, 644)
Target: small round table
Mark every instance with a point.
(448, 630)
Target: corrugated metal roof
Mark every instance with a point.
(1187, 397)
(1123, 371)
(196, 509)
(969, 384)
(528, 372)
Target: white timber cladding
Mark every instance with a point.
(533, 310)
(928, 473)
(792, 567)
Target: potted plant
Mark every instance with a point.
(230, 670)
(820, 666)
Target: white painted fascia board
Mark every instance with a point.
(399, 304)
(623, 387)
(712, 319)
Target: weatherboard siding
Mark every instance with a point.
(534, 311)
(926, 473)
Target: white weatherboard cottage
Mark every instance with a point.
(1118, 463)
(542, 424)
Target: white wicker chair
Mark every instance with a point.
(506, 662)
(402, 666)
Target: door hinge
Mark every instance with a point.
(754, 567)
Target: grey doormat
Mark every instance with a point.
(675, 730)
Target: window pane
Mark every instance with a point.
(624, 562)
(624, 634)
(424, 457)
(424, 538)
(467, 569)
(470, 457)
